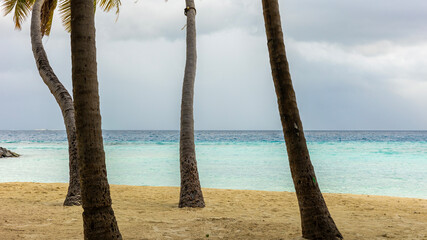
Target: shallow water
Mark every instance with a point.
(359, 162)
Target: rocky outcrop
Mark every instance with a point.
(6, 153)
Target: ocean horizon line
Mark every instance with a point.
(242, 130)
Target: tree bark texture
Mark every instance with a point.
(191, 192)
(316, 220)
(64, 100)
(98, 217)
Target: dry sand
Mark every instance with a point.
(35, 211)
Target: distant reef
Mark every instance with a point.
(6, 153)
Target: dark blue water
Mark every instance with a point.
(220, 136)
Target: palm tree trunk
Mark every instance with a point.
(98, 216)
(64, 100)
(316, 220)
(191, 192)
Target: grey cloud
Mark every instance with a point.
(334, 96)
(355, 65)
(150, 19)
(353, 22)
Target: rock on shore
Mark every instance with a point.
(6, 153)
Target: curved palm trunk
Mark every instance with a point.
(64, 100)
(191, 192)
(316, 220)
(98, 216)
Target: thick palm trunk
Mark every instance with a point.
(64, 100)
(191, 192)
(98, 217)
(316, 221)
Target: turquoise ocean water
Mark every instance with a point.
(392, 163)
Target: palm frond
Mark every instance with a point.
(65, 12)
(107, 5)
(47, 16)
(20, 9)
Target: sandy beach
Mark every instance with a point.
(35, 211)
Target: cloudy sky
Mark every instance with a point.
(355, 65)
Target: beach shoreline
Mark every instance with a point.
(32, 210)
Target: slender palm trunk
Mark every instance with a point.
(98, 216)
(64, 100)
(191, 192)
(316, 220)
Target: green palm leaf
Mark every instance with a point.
(107, 5)
(47, 16)
(65, 12)
(21, 9)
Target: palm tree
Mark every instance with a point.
(191, 192)
(62, 97)
(316, 220)
(98, 216)
(41, 22)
